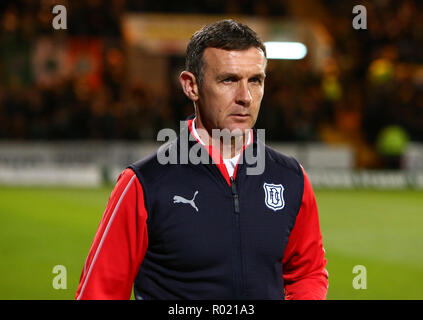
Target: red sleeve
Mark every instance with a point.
(119, 245)
(304, 262)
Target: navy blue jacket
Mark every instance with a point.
(213, 237)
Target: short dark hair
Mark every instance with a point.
(225, 34)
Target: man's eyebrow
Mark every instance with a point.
(234, 75)
(259, 75)
(227, 75)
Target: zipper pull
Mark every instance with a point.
(235, 195)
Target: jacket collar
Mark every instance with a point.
(215, 155)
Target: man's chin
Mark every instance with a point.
(237, 130)
(240, 127)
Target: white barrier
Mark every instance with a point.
(87, 176)
(318, 155)
(413, 158)
(93, 163)
(346, 179)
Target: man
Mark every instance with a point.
(211, 230)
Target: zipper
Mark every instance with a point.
(238, 274)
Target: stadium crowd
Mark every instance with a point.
(373, 79)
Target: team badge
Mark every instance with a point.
(274, 196)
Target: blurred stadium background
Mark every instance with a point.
(78, 105)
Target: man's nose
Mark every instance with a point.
(243, 96)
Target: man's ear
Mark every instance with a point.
(189, 85)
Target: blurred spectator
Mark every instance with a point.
(73, 84)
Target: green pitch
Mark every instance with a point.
(380, 230)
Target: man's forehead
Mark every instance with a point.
(220, 58)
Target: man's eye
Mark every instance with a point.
(228, 80)
(256, 80)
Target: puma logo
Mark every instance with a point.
(179, 199)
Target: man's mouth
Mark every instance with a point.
(240, 115)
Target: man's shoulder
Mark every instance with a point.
(148, 162)
(155, 164)
(283, 160)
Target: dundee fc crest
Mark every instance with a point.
(274, 196)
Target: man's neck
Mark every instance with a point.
(229, 147)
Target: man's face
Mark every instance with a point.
(232, 88)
